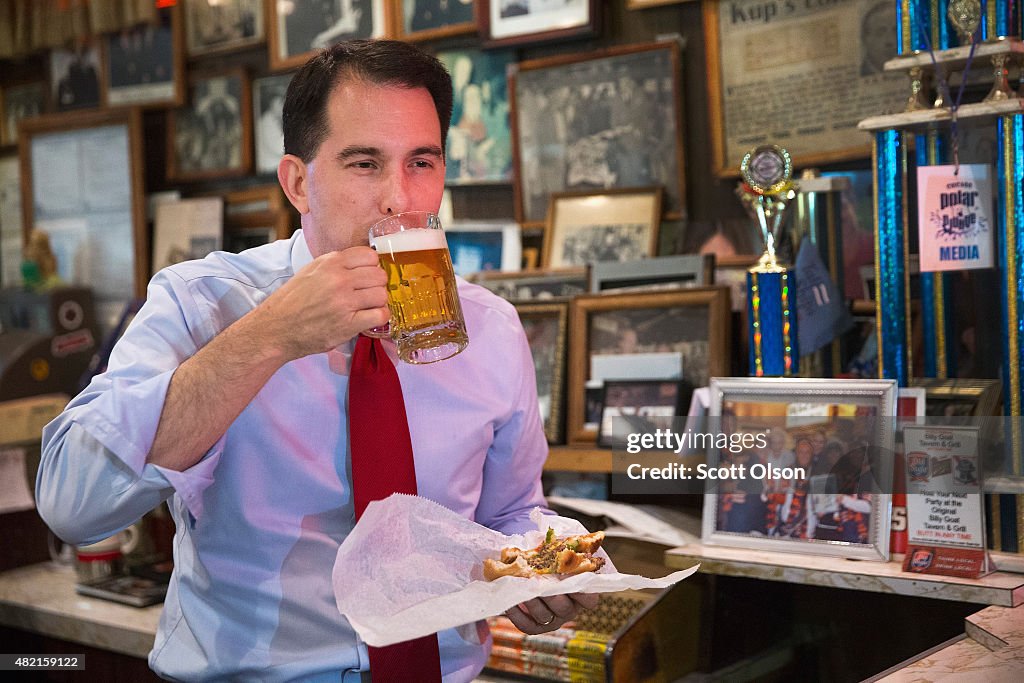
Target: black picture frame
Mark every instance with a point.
(640, 405)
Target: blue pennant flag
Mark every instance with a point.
(821, 311)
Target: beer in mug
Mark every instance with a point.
(426, 316)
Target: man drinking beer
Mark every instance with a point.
(220, 400)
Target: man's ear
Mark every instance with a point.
(291, 173)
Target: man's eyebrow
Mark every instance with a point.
(357, 151)
(430, 150)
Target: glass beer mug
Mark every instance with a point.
(426, 316)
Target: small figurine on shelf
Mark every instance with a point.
(39, 267)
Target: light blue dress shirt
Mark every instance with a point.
(260, 517)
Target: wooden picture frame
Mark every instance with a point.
(82, 181)
(515, 23)
(535, 285)
(687, 329)
(547, 326)
(603, 103)
(417, 20)
(615, 225)
(773, 84)
(659, 272)
(145, 65)
(479, 148)
(259, 208)
(17, 102)
(294, 36)
(212, 136)
(215, 27)
(835, 458)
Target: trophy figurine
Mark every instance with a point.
(771, 288)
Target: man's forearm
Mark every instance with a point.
(210, 390)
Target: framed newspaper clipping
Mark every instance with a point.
(768, 83)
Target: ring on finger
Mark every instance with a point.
(545, 623)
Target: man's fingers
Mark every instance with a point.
(587, 601)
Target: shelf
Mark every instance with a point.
(929, 118)
(579, 459)
(956, 57)
(998, 588)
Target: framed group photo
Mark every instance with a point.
(519, 22)
(213, 26)
(535, 285)
(581, 122)
(615, 225)
(547, 325)
(211, 137)
(670, 335)
(810, 462)
(300, 27)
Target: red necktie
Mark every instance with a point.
(382, 464)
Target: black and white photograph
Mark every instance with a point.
(267, 104)
(584, 125)
(617, 225)
(301, 26)
(428, 19)
(534, 285)
(222, 25)
(520, 22)
(20, 102)
(75, 78)
(143, 64)
(211, 137)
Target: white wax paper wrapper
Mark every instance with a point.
(411, 567)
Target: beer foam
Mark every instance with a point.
(410, 240)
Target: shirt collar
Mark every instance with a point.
(301, 255)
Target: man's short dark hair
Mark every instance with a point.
(380, 62)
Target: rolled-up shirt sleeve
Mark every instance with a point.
(93, 477)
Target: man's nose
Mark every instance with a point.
(396, 193)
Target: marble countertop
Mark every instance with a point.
(41, 598)
(998, 588)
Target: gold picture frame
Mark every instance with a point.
(613, 225)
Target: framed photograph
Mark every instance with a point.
(145, 65)
(19, 102)
(535, 285)
(960, 398)
(82, 183)
(433, 19)
(645, 335)
(806, 465)
(255, 216)
(211, 136)
(213, 26)
(482, 246)
(267, 106)
(479, 143)
(617, 225)
(300, 27)
(638, 405)
(519, 22)
(75, 77)
(661, 272)
(581, 123)
(911, 402)
(186, 229)
(746, 59)
(546, 326)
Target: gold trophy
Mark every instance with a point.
(771, 289)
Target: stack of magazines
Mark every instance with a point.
(567, 654)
